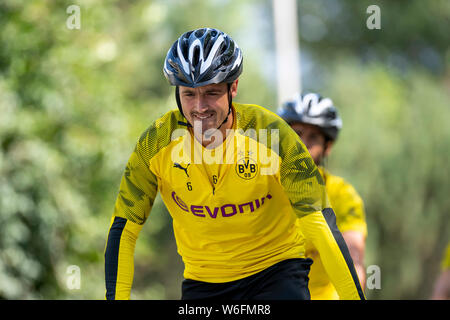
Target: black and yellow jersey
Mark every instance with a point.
(350, 216)
(234, 208)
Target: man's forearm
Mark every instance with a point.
(119, 258)
(355, 241)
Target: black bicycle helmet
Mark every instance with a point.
(201, 57)
(312, 108)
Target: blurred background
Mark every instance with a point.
(73, 102)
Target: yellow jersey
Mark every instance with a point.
(350, 216)
(234, 208)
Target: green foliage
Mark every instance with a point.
(72, 105)
(412, 32)
(394, 149)
(391, 86)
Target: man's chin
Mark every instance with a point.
(205, 125)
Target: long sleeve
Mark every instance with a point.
(119, 258)
(320, 228)
(137, 193)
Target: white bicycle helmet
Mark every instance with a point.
(312, 108)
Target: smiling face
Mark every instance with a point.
(206, 107)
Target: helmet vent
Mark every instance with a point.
(196, 57)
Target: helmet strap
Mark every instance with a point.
(230, 103)
(324, 157)
(177, 98)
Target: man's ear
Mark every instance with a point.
(233, 88)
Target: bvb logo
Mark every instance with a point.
(246, 168)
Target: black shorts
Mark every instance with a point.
(285, 280)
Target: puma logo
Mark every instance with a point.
(179, 166)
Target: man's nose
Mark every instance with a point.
(200, 104)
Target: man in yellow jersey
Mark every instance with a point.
(317, 122)
(441, 289)
(235, 178)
